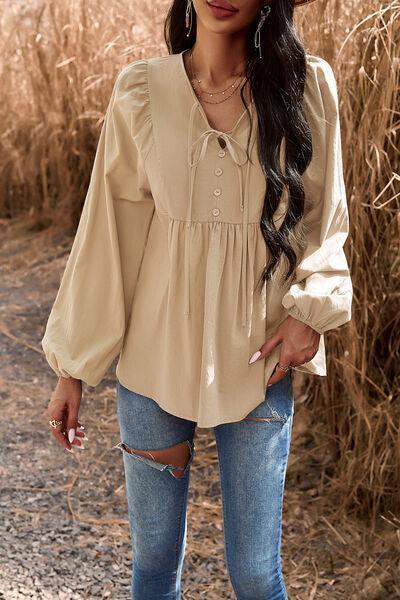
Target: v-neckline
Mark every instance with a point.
(200, 107)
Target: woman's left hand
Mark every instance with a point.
(299, 344)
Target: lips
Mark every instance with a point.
(222, 4)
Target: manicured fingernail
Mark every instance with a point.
(254, 357)
(81, 427)
(85, 437)
(81, 447)
(71, 435)
(269, 385)
(69, 450)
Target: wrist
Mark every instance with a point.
(69, 380)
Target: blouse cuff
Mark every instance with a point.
(296, 313)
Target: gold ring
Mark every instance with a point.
(55, 422)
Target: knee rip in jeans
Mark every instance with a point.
(275, 416)
(175, 459)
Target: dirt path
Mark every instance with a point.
(63, 527)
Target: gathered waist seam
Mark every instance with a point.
(214, 222)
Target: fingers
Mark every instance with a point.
(80, 438)
(277, 375)
(78, 442)
(61, 411)
(58, 432)
(267, 347)
(72, 421)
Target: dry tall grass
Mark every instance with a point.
(59, 61)
(359, 401)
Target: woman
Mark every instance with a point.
(209, 257)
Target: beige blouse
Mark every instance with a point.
(164, 267)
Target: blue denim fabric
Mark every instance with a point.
(253, 457)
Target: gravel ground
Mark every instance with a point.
(64, 529)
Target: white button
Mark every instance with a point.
(218, 171)
(217, 192)
(221, 153)
(215, 212)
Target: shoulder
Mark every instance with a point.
(131, 97)
(131, 100)
(137, 72)
(320, 70)
(132, 75)
(137, 81)
(321, 91)
(130, 89)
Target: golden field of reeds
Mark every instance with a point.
(57, 67)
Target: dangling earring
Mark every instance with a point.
(188, 17)
(266, 9)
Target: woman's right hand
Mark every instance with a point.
(64, 404)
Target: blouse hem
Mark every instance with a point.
(182, 415)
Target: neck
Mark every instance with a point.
(217, 58)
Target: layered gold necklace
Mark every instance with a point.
(233, 87)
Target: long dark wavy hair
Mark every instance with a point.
(277, 85)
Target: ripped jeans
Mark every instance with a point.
(253, 455)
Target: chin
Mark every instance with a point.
(222, 28)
